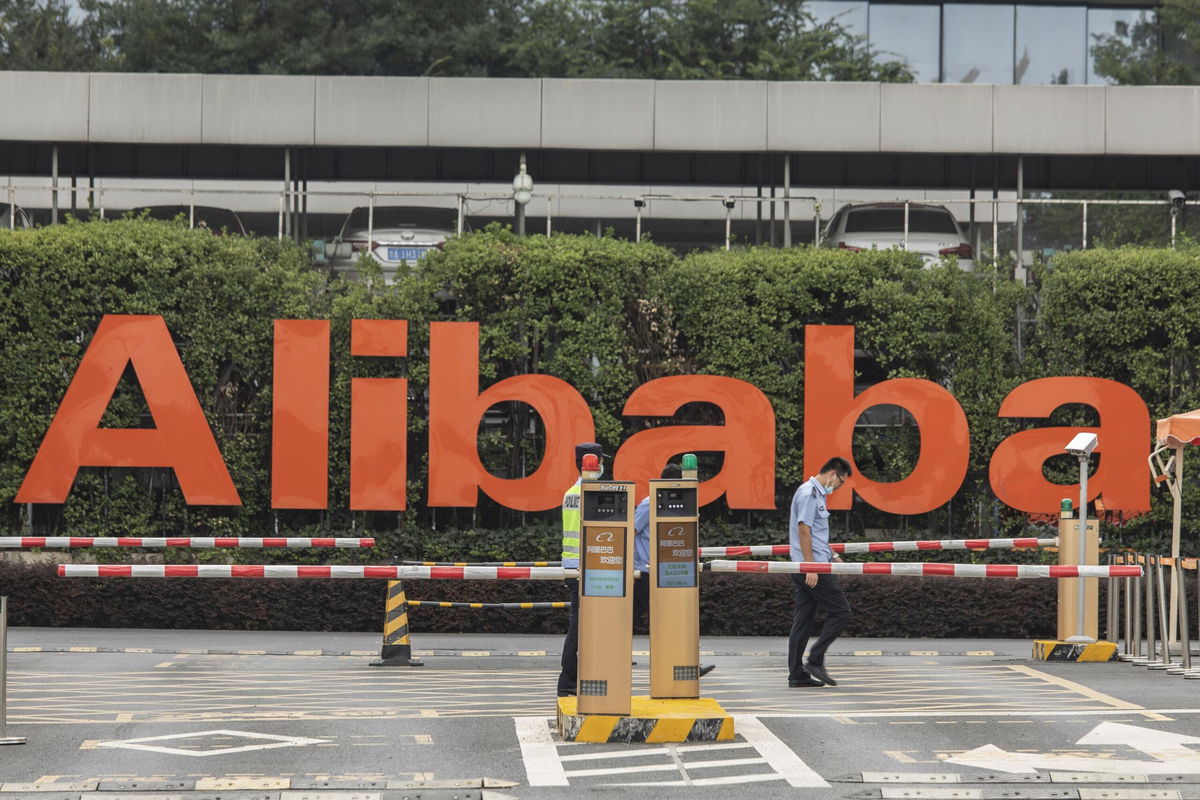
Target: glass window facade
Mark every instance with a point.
(1051, 45)
(908, 33)
(977, 43)
(1111, 22)
(951, 42)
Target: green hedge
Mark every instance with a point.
(603, 314)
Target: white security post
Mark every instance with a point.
(1081, 447)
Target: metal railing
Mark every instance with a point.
(292, 203)
(1144, 635)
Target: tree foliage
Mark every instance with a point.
(1127, 314)
(40, 34)
(751, 39)
(1162, 48)
(705, 39)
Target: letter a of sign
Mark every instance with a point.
(831, 409)
(747, 439)
(456, 406)
(181, 439)
(1016, 468)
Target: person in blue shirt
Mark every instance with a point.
(808, 533)
(641, 549)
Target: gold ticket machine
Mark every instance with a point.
(674, 589)
(606, 598)
(1068, 588)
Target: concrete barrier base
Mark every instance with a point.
(1053, 650)
(699, 720)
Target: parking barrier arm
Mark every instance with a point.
(290, 571)
(72, 542)
(918, 569)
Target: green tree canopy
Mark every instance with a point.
(703, 39)
(1160, 49)
(39, 34)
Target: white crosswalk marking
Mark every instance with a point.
(542, 765)
(545, 766)
(778, 755)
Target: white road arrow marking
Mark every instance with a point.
(1163, 745)
(1168, 748)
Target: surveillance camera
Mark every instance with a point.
(639, 203)
(1082, 445)
(1177, 199)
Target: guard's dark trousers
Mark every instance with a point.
(568, 679)
(825, 596)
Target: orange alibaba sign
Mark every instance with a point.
(183, 441)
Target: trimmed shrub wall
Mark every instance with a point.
(606, 316)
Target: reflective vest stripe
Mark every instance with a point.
(571, 527)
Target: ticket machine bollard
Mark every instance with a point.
(1068, 647)
(1068, 588)
(606, 598)
(674, 590)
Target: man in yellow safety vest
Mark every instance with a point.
(568, 678)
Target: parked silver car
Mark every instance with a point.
(13, 217)
(933, 232)
(395, 236)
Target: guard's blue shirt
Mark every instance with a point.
(641, 536)
(808, 506)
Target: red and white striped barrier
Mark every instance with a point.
(178, 541)
(883, 547)
(483, 564)
(930, 569)
(292, 571)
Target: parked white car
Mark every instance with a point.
(395, 236)
(933, 232)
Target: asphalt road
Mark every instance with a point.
(199, 715)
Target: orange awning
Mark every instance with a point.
(1179, 429)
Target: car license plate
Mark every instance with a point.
(406, 253)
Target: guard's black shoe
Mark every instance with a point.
(706, 668)
(818, 672)
(803, 682)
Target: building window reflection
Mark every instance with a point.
(977, 43)
(908, 33)
(1111, 22)
(949, 42)
(1051, 45)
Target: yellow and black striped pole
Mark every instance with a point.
(397, 649)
